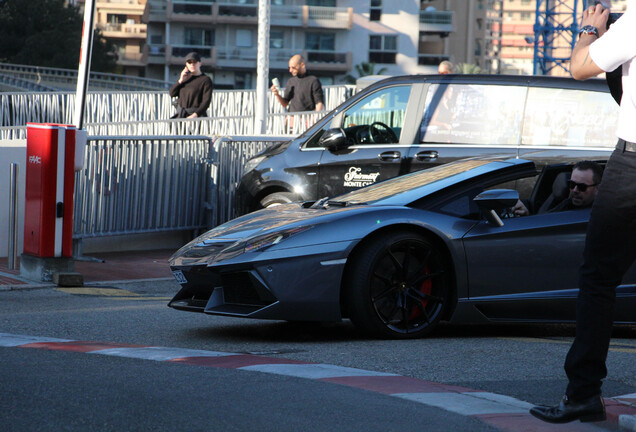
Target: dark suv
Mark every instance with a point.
(410, 123)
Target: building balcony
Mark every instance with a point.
(433, 21)
(431, 59)
(129, 7)
(154, 54)
(130, 59)
(123, 31)
(154, 11)
(191, 12)
(334, 61)
(317, 60)
(328, 17)
(176, 54)
(287, 16)
(237, 12)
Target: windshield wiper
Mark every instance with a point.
(338, 203)
(326, 202)
(320, 203)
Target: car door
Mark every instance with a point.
(528, 268)
(374, 128)
(462, 119)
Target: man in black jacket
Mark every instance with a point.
(194, 89)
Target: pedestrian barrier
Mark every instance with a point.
(140, 185)
(114, 112)
(134, 185)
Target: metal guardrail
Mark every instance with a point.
(66, 77)
(134, 185)
(114, 112)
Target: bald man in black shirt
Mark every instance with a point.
(303, 92)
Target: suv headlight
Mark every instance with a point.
(253, 163)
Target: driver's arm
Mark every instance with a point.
(520, 209)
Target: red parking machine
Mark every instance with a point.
(50, 181)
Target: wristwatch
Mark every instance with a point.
(588, 29)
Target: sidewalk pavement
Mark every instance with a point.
(116, 268)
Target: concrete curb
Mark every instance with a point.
(116, 283)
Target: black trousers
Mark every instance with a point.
(610, 249)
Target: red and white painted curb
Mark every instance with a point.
(503, 412)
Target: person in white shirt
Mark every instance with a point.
(610, 245)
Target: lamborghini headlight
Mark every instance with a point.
(257, 243)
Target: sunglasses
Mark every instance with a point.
(582, 186)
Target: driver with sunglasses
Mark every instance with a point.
(583, 185)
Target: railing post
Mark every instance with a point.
(13, 216)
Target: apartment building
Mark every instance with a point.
(120, 22)
(399, 36)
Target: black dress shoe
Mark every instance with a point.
(587, 410)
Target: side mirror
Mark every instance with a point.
(496, 199)
(334, 139)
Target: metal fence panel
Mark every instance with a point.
(230, 155)
(133, 185)
(142, 184)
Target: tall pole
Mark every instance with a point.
(84, 68)
(262, 67)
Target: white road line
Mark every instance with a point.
(11, 340)
(469, 403)
(313, 371)
(158, 353)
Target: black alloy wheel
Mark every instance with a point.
(397, 287)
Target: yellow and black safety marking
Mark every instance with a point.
(108, 292)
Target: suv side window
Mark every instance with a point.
(378, 118)
(473, 114)
(580, 118)
(364, 122)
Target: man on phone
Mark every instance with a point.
(193, 89)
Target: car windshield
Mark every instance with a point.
(407, 182)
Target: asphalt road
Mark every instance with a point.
(46, 389)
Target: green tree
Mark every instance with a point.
(48, 33)
(468, 68)
(363, 69)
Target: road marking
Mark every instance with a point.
(98, 291)
(503, 412)
(616, 347)
(110, 293)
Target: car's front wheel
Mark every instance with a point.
(397, 286)
(277, 198)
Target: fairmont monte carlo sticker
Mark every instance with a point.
(355, 178)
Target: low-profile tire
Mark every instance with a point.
(277, 198)
(397, 286)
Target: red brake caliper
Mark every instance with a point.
(425, 288)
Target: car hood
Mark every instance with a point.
(268, 226)
(274, 218)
